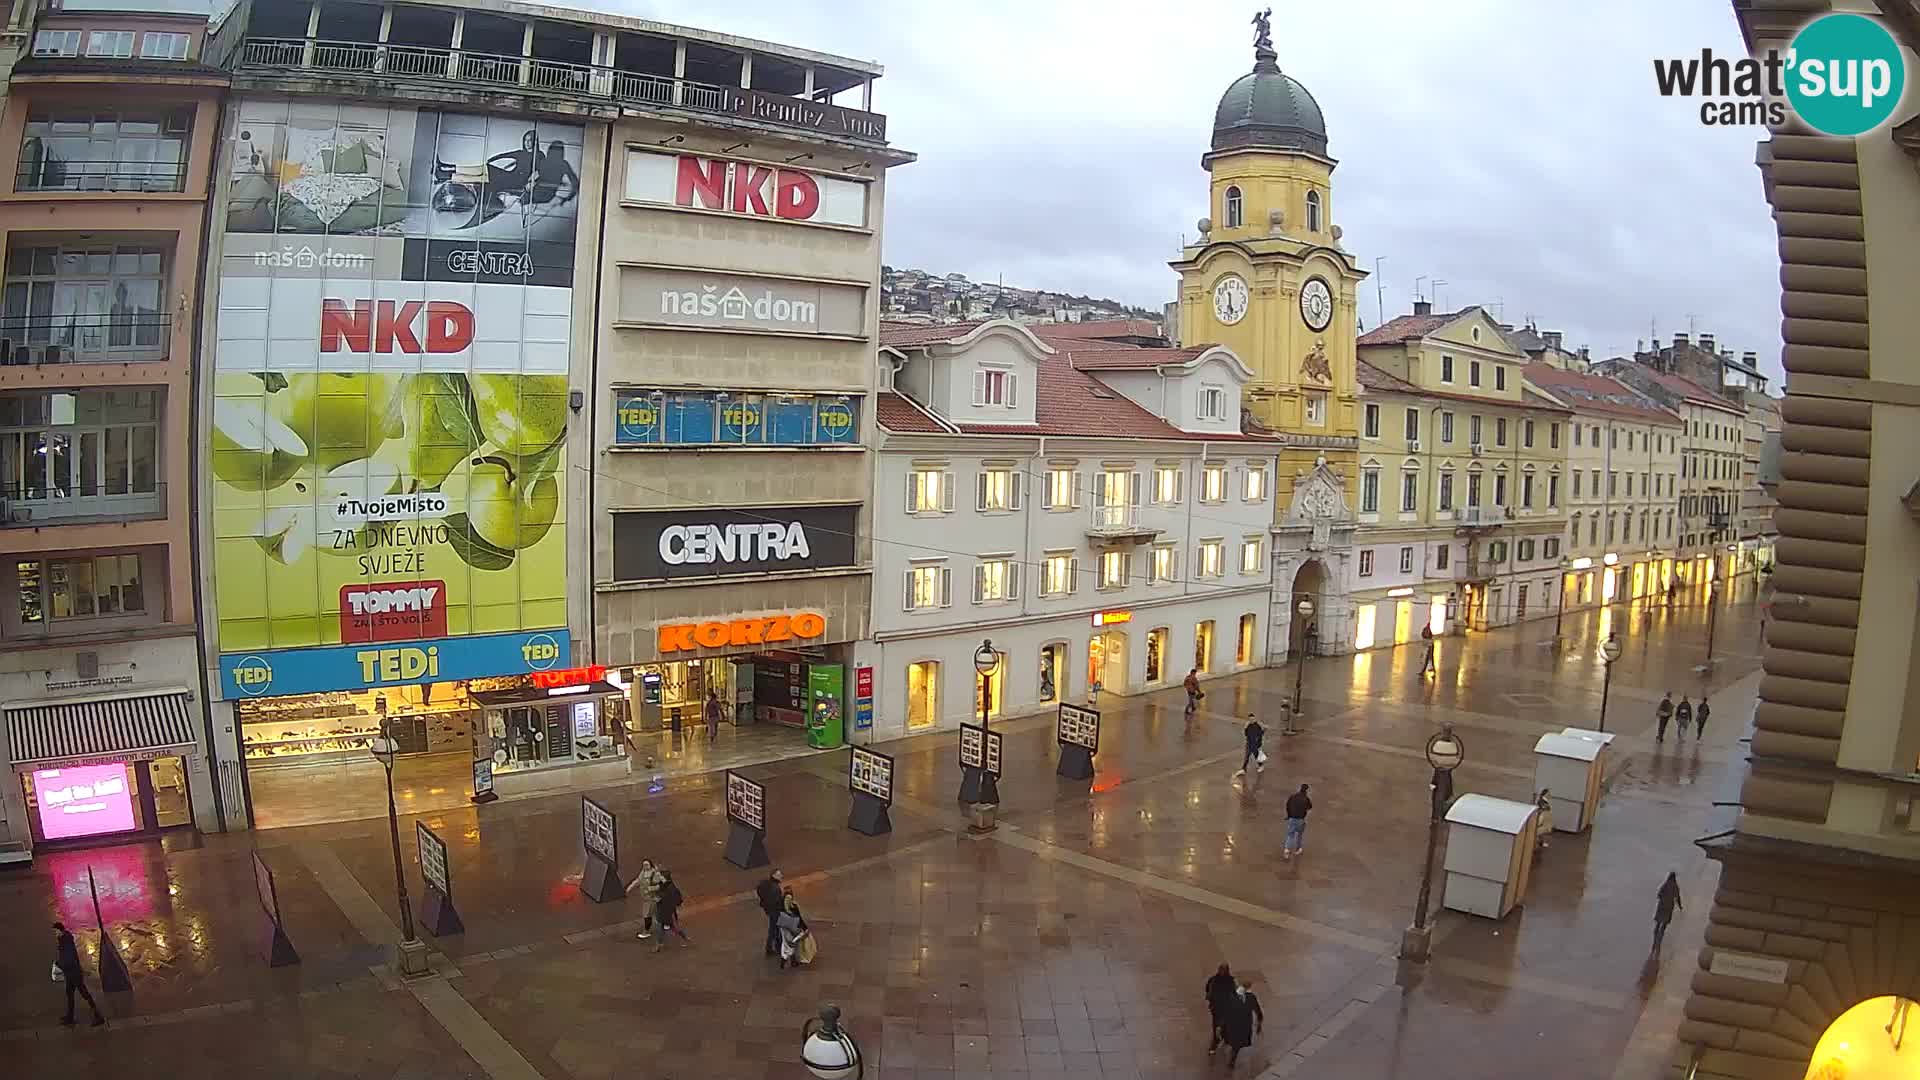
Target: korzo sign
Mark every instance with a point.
(656, 544)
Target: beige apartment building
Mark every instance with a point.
(1814, 938)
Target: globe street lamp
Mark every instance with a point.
(413, 951)
(985, 660)
(1300, 668)
(1609, 652)
(1445, 752)
(828, 1050)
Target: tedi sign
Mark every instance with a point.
(653, 544)
(1842, 75)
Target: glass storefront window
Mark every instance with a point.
(923, 694)
(1243, 652)
(168, 778)
(1053, 674)
(1156, 654)
(1203, 646)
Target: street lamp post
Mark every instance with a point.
(1713, 615)
(1561, 609)
(413, 951)
(1300, 668)
(1609, 652)
(1445, 752)
(985, 660)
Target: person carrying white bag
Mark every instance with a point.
(1255, 756)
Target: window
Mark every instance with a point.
(85, 588)
(995, 386)
(1409, 492)
(1446, 490)
(1500, 489)
(1446, 368)
(1213, 403)
(1576, 434)
(1596, 482)
(923, 694)
(1473, 373)
(85, 452)
(1372, 414)
(1576, 479)
(1243, 647)
(1369, 491)
(929, 491)
(1203, 646)
(1059, 574)
(1613, 483)
(158, 46)
(1526, 434)
(1473, 430)
(1442, 555)
(1613, 438)
(112, 43)
(1500, 431)
(1446, 428)
(1366, 562)
(1236, 208)
(1553, 490)
(1156, 654)
(1526, 490)
(1524, 551)
(1165, 564)
(1062, 490)
(929, 585)
(1313, 211)
(1316, 409)
(104, 303)
(1213, 484)
(1168, 480)
(1406, 560)
(1497, 551)
(1473, 489)
(1212, 558)
(997, 489)
(1413, 425)
(1499, 377)
(1629, 491)
(1250, 562)
(1553, 437)
(56, 43)
(1610, 528)
(995, 578)
(1113, 570)
(1550, 548)
(1256, 483)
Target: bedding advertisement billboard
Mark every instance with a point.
(390, 411)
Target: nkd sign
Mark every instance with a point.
(748, 188)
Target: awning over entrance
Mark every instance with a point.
(126, 727)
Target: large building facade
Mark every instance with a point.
(107, 142)
(1809, 963)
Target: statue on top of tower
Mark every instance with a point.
(1263, 29)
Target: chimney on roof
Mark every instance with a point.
(1679, 341)
(1706, 342)
(1584, 357)
(1751, 359)
(1423, 307)
(1553, 339)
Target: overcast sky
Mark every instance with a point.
(1516, 149)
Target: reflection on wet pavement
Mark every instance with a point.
(1072, 942)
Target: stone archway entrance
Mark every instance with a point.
(1309, 583)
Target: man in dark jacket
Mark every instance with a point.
(1700, 718)
(1241, 1020)
(768, 893)
(1297, 806)
(1256, 735)
(1219, 1000)
(1683, 716)
(1664, 715)
(66, 957)
(1194, 693)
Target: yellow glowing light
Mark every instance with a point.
(1363, 627)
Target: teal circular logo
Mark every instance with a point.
(1845, 74)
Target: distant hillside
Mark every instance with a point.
(924, 295)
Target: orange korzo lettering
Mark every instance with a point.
(777, 629)
(687, 637)
(676, 638)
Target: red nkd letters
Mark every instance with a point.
(757, 190)
(387, 326)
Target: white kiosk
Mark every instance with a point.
(1489, 854)
(1570, 765)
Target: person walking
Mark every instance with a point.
(1700, 719)
(1683, 716)
(1664, 714)
(1194, 693)
(1544, 822)
(797, 948)
(647, 884)
(1220, 993)
(1256, 736)
(1297, 806)
(1427, 665)
(768, 892)
(713, 710)
(1664, 907)
(66, 966)
(666, 913)
(1241, 1020)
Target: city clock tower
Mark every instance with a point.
(1269, 279)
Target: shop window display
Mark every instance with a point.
(309, 728)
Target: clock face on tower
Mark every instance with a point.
(1316, 304)
(1230, 299)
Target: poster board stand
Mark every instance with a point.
(746, 822)
(600, 878)
(870, 779)
(113, 970)
(280, 951)
(1078, 732)
(437, 914)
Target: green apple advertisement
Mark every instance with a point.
(388, 430)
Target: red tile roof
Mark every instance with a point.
(1116, 357)
(1687, 388)
(1596, 394)
(1409, 327)
(906, 334)
(1374, 378)
(897, 412)
(1098, 328)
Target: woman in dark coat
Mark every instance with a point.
(1664, 906)
(1241, 1020)
(66, 959)
(666, 911)
(1219, 993)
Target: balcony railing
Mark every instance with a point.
(463, 68)
(38, 504)
(55, 174)
(106, 338)
(1119, 522)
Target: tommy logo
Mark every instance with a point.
(393, 611)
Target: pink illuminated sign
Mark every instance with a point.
(86, 800)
